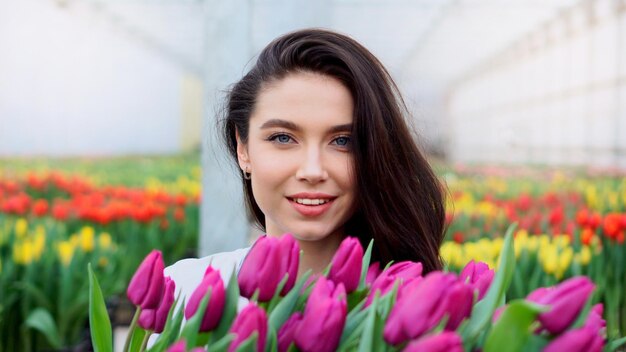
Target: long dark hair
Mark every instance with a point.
(399, 202)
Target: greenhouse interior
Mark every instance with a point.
(332, 175)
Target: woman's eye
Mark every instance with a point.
(280, 138)
(342, 141)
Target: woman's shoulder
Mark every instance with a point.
(188, 273)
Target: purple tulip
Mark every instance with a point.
(154, 319)
(289, 262)
(538, 294)
(287, 332)
(497, 313)
(372, 273)
(146, 319)
(251, 319)
(146, 286)
(266, 264)
(460, 302)
(594, 319)
(324, 318)
(585, 339)
(213, 313)
(419, 308)
(566, 301)
(404, 272)
(179, 346)
(447, 341)
(479, 276)
(346, 264)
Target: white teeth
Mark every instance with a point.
(307, 201)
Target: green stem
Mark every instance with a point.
(131, 329)
(144, 343)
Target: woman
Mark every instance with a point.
(318, 128)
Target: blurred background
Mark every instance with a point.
(108, 143)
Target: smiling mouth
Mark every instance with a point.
(311, 202)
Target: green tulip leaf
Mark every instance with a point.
(615, 344)
(230, 307)
(100, 325)
(370, 340)
(483, 311)
(272, 342)
(249, 345)
(285, 308)
(535, 343)
(354, 324)
(172, 327)
(513, 328)
(41, 320)
(222, 344)
(276, 297)
(36, 293)
(137, 338)
(367, 257)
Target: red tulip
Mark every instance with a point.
(346, 264)
(146, 287)
(40, 207)
(211, 281)
(251, 319)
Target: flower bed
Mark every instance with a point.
(53, 224)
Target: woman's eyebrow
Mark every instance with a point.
(280, 123)
(292, 126)
(341, 128)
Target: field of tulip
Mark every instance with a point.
(570, 223)
(53, 222)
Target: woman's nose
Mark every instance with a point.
(312, 167)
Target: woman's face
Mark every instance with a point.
(299, 155)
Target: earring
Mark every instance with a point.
(247, 175)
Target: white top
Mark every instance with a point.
(188, 273)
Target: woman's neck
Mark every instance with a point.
(316, 255)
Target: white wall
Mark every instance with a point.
(555, 96)
(72, 83)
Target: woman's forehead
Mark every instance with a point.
(302, 99)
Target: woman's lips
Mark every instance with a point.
(311, 210)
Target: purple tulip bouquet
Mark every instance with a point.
(353, 306)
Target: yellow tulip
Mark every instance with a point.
(21, 227)
(585, 255)
(39, 244)
(23, 252)
(87, 234)
(104, 240)
(103, 262)
(66, 252)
